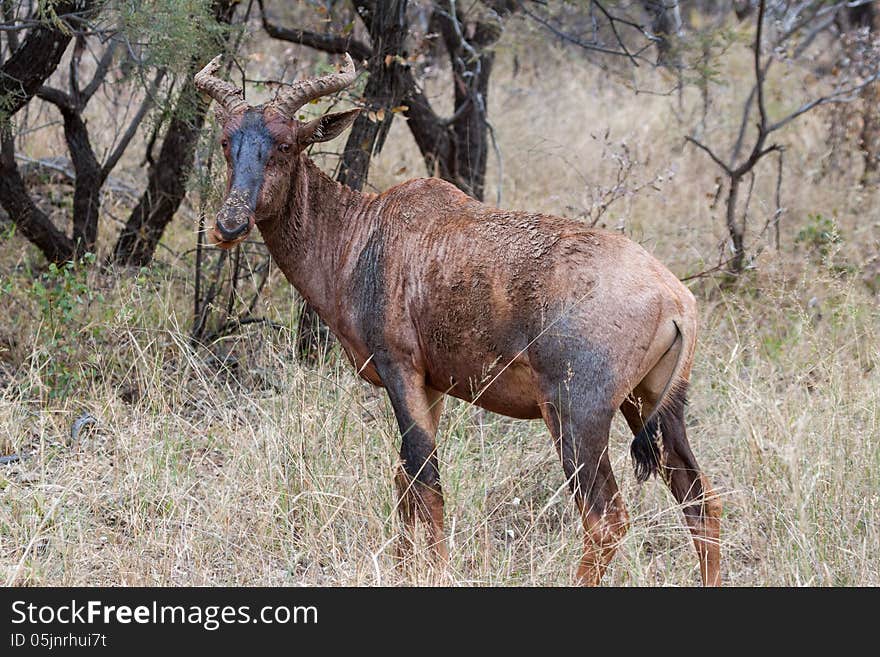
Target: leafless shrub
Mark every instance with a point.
(621, 174)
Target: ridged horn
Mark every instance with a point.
(225, 93)
(291, 98)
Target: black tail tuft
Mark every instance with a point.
(645, 450)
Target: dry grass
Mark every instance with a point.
(261, 472)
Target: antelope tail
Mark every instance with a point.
(645, 449)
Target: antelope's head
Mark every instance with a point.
(262, 145)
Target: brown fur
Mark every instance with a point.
(528, 315)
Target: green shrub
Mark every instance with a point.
(63, 297)
(819, 236)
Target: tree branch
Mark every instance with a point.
(100, 72)
(8, 12)
(595, 45)
(329, 43)
(709, 152)
(33, 223)
(843, 96)
(131, 131)
(759, 72)
(58, 98)
(36, 58)
(79, 44)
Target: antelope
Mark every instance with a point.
(433, 293)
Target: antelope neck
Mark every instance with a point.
(319, 227)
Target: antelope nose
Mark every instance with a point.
(234, 218)
(236, 231)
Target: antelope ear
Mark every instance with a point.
(327, 127)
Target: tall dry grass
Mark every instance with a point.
(256, 471)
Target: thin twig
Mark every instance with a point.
(708, 151)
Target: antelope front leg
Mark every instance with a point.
(418, 409)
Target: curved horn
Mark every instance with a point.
(225, 93)
(290, 99)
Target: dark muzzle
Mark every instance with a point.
(235, 219)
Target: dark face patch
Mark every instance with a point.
(249, 149)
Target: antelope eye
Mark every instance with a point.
(284, 148)
(224, 143)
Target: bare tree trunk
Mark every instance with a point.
(37, 58)
(21, 76)
(166, 186)
(32, 222)
(471, 59)
(86, 196)
(431, 133)
(866, 16)
(734, 229)
(89, 177)
(387, 25)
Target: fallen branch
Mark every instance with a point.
(34, 168)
